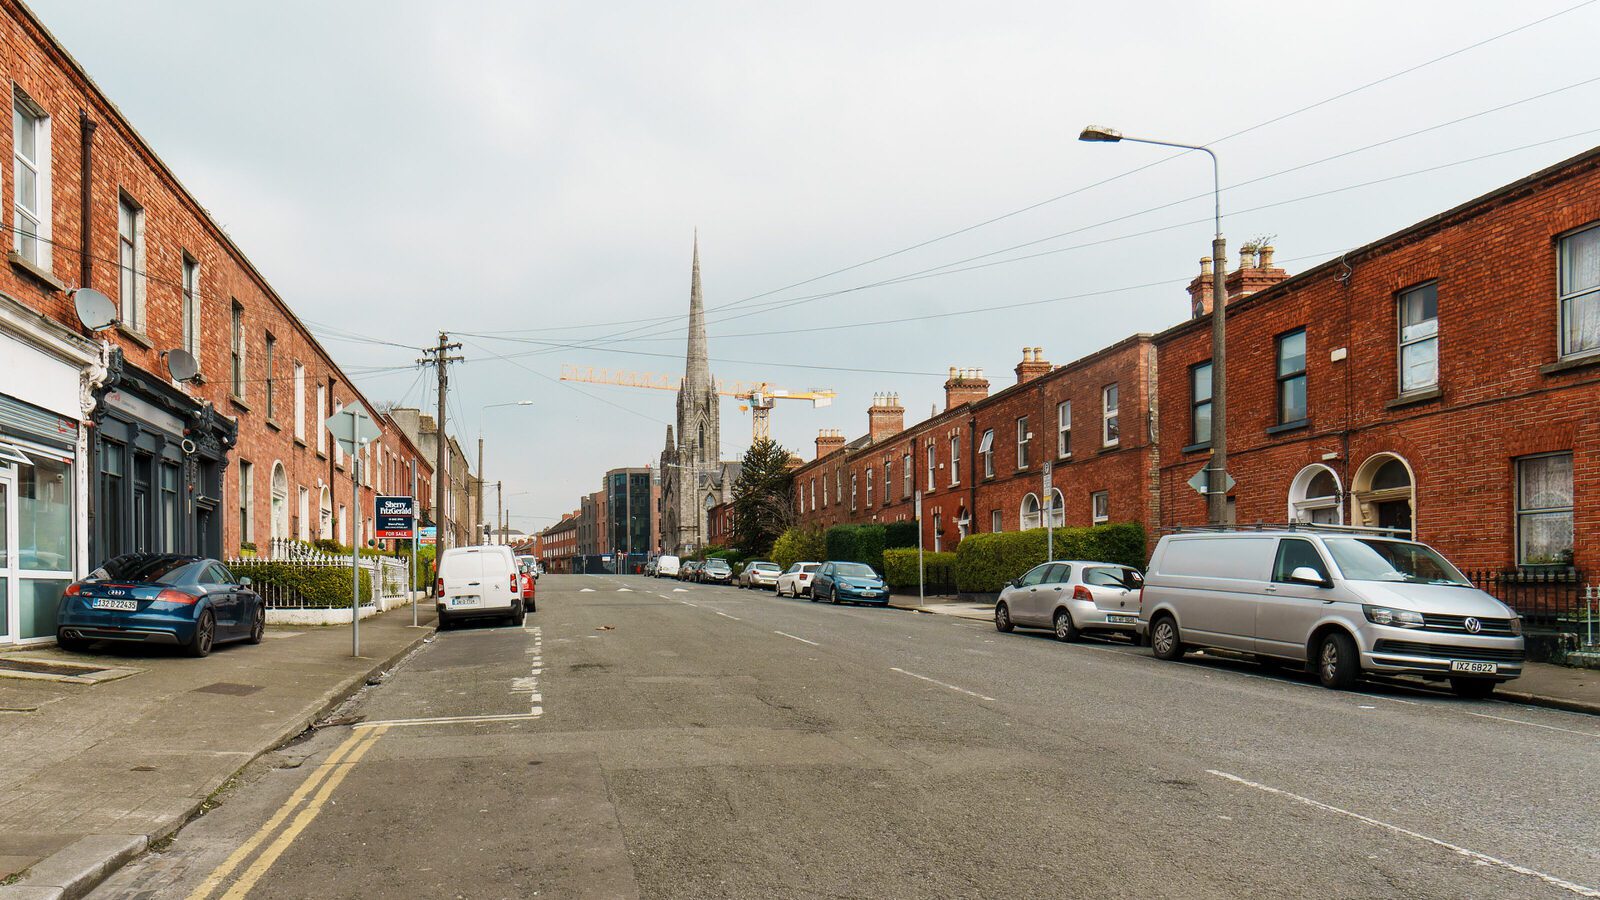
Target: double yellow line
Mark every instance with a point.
(324, 780)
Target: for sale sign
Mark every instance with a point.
(396, 517)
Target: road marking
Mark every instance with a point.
(680, 590)
(800, 639)
(1587, 734)
(249, 846)
(1483, 858)
(726, 616)
(585, 590)
(450, 720)
(305, 817)
(624, 590)
(941, 684)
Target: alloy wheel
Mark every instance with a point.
(258, 627)
(1330, 660)
(1163, 638)
(207, 633)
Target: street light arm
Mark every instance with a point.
(1216, 171)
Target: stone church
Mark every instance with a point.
(693, 478)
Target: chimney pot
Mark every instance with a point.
(1266, 257)
(1247, 256)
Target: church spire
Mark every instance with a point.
(696, 370)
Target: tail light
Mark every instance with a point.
(438, 588)
(1082, 593)
(175, 596)
(73, 589)
(515, 589)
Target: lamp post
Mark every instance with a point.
(1216, 480)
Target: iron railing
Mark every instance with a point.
(1548, 601)
(389, 579)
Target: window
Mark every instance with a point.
(955, 459)
(191, 306)
(30, 132)
(838, 485)
(1419, 338)
(303, 515)
(130, 262)
(986, 450)
(299, 402)
(1029, 514)
(1058, 508)
(938, 532)
(1200, 403)
(1544, 510)
(1292, 377)
(907, 476)
(272, 347)
(996, 521)
(813, 494)
(322, 416)
(852, 490)
(888, 480)
(278, 521)
(1314, 496)
(933, 463)
(1580, 292)
(169, 507)
(1100, 501)
(236, 353)
(245, 503)
(1110, 433)
(1023, 438)
(869, 485)
(1294, 553)
(1064, 429)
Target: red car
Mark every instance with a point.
(529, 583)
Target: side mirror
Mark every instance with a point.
(244, 581)
(1308, 575)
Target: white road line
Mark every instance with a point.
(454, 720)
(800, 639)
(726, 616)
(1587, 734)
(941, 684)
(1483, 858)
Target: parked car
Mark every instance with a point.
(479, 582)
(650, 568)
(848, 582)
(796, 580)
(759, 574)
(689, 571)
(1343, 602)
(714, 571)
(531, 563)
(1072, 597)
(530, 584)
(160, 598)
(667, 567)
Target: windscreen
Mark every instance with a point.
(856, 570)
(1373, 559)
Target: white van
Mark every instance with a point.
(667, 567)
(480, 581)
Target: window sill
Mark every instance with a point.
(1570, 363)
(273, 424)
(138, 337)
(1422, 396)
(39, 273)
(301, 442)
(1108, 448)
(1286, 427)
(238, 403)
(1064, 457)
(1196, 448)
(322, 454)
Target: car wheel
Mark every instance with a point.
(532, 605)
(71, 644)
(1164, 640)
(444, 622)
(258, 624)
(1002, 618)
(1473, 688)
(520, 616)
(1065, 630)
(834, 595)
(205, 634)
(1337, 663)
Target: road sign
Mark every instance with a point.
(352, 427)
(395, 517)
(919, 505)
(1200, 481)
(1049, 470)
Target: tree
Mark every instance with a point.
(763, 501)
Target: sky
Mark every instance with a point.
(529, 178)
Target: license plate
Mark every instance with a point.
(463, 601)
(119, 605)
(1123, 620)
(1476, 668)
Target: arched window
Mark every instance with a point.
(1314, 496)
(1030, 512)
(1384, 495)
(325, 515)
(1058, 508)
(280, 502)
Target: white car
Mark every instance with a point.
(796, 580)
(479, 582)
(667, 566)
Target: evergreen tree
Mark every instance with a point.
(763, 501)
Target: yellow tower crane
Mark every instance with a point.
(759, 396)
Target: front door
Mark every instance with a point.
(1288, 609)
(1395, 514)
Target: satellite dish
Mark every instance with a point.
(95, 310)
(181, 365)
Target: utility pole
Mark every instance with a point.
(440, 358)
(498, 497)
(477, 512)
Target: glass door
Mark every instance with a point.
(8, 572)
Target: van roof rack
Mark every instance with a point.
(1313, 527)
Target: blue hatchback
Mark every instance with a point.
(848, 582)
(161, 598)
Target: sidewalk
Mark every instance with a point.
(1541, 684)
(90, 774)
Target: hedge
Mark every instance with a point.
(856, 543)
(799, 545)
(899, 534)
(987, 562)
(900, 565)
(319, 587)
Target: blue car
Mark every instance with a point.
(160, 598)
(848, 582)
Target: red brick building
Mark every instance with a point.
(719, 522)
(559, 544)
(1443, 380)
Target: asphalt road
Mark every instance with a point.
(655, 739)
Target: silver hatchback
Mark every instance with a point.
(1071, 597)
(1341, 601)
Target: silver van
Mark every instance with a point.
(1341, 600)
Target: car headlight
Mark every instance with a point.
(1516, 625)
(1400, 618)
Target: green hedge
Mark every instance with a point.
(799, 545)
(899, 534)
(323, 587)
(856, 543)
(900, 565)
(986, 562)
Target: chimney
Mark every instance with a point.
(1033, 364)
(1200, 290)
(829, 440)
(964, 386)
(1253, 276)
(886, 418)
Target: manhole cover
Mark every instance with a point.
(49, 668)
(228, 688)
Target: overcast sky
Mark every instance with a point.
(535, 172)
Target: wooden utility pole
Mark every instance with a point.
(440, 358)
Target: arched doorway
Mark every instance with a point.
(1314, 496)
(1028, 516)
(325, 515)
(1383, 495)
(280, 502)
(1058, 508)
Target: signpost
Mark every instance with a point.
(395, 518)
(354, 429)
(921, 575)
(1049, 513)
(1199, 481)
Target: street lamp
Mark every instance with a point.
(1216, 480)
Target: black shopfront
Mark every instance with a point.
(157, 460)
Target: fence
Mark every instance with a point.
(390, 579)
(939, 579)
(1553, 601)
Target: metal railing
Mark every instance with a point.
(389, 579)
(1548, 601)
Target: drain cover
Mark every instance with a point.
(229, 688)
(49, 668)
